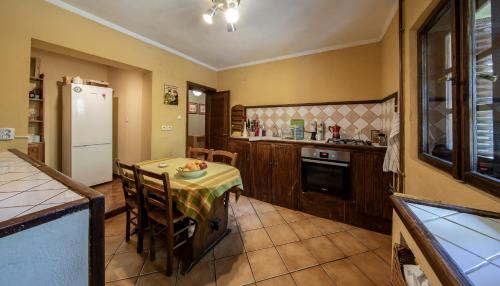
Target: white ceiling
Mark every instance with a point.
(267, 29)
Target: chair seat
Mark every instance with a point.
(160, 216)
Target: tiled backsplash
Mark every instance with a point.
(364, 117)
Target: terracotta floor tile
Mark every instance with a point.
(233, 271)
(323, 249)
(131, 246)
(373, 267)
(243, 208)
(249, 222)
(284, 280)
(159, 264)
(261, 207)
(347, 243)
(304, 229)
(232, 224)
(208, 257)
(111, 243)
(124, 265)
(371, 239)
(271, 218)
(115, 225)
(124, 282)
(296, 256)
(229, 246)
(203, 274)
(156, 279)
(266, 263)
(291, 216)
(107, 259)
(256, 239)
(281, 234)
(314, 276)
(344, 273)
(326, 226)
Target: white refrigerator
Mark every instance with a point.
(87, 133)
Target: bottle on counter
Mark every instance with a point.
(264, 131)
(321, 131)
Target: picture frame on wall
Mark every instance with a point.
(192, 107)
(170, 95)
(201, 109)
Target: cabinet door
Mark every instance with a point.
(370, 184)
(243, 163)
(262, 167)
(285, 175)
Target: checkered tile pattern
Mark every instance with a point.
(25, 189)
(364, 117)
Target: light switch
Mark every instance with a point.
(7, 133)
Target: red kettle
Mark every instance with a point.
(335, 131)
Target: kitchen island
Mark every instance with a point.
(50, 223)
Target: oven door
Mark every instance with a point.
(327, 177)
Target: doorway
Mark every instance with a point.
(207, 117)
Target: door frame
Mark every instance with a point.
(208, 91)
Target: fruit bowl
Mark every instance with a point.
(193, 169)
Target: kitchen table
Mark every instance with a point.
(204, 199)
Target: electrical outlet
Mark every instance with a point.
(170, 127)
(7, 133)
(163, 128)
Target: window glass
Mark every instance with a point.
(437, 88)
(485, 89)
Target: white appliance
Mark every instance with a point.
(88, 133)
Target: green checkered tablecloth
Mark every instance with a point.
(194, 197)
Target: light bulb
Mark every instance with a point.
(209, 15)
(232, 14)
(197, 92)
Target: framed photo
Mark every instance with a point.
(170, 95)
(201, 108)
(192, 107)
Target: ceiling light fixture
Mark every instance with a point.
(230, 10)
(197, 93)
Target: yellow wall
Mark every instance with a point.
(421, 179)
(128, 95)
(54, 67)
(389, 57)
(22, 21)
(339, 75)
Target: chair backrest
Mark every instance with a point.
(225, 157)
(129, 181)
(200, 153)
(156, 196)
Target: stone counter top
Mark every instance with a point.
(25, 189)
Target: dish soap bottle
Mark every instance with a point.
(321, 131)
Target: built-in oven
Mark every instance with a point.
(326, 171)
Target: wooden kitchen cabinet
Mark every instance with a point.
(275, 173)
(370, 188)
(262, 169)
(242, 147)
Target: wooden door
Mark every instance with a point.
(217, 109)
(262, 167)
(285, 178)
(243, 163)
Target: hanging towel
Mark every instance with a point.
(391, 160)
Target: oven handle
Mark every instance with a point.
(325, 163)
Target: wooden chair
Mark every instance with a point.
(200, 153)
(225, 157)
(133, 202)
(163, 217)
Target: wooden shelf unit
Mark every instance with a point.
(36, 150)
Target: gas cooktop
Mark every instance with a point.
(349, 142)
